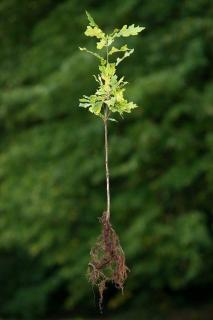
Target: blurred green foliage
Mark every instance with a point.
(52, 162)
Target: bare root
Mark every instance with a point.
(107, 260)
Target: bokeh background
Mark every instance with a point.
(52, 180)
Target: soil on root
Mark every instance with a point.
(107, 262)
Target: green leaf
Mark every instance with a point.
(112, 119)
(107, 71)
(91, 20)
(101, 44)
(126, 31)
(131, 106)
(126, 54)
(96, 108)
(94, 32)
(122, 49)
(83, 100)
(84, 105)
(111, 102)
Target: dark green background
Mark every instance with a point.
(52, 160)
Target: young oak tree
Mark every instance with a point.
(107, 257)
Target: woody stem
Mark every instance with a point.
(107, 162)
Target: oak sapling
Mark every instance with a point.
(107, 262)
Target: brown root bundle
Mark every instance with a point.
(107, 260)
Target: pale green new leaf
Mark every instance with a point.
(112, 119)
(126, 54)
(96, 108)
(130, 106)
(83, 100)
(94, 32)
(122, 49)
(102, 43)
(91, 20)
(84, 105)
(126, 31)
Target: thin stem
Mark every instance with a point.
(107, 162)
(106, 116)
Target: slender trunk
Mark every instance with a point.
(107, 164)
(107, 149)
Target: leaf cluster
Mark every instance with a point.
(110, 93)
